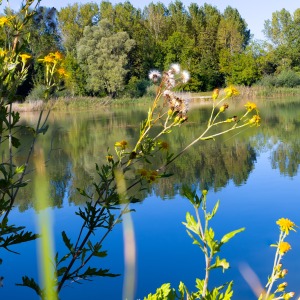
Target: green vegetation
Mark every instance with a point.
(107, 53)
(127, 170)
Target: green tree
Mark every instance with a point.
(239, 68)
(204, 64)
(232, 31)
(72, 20)
(103, 55)
(283, 33)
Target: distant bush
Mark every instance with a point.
(151, 91)
(37, 93)
(287, 78)
(136, 88)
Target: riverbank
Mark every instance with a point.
(86, 103)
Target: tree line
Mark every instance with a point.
(110, 49)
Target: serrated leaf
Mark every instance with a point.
(30, 282)
(220, 263)
(67, 242)
(191, 223)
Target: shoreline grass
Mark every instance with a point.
(86, 103)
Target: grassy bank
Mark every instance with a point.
(86, 103)
(76, 103)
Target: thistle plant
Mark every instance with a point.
(278, 273)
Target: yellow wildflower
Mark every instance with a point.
(255, 120)
(62, 72)
(224, 107)
(281, 287)
(288, 296)
(250, 106)
(143, 172)
(58, 56)
(152, 176)
(2, 52)
(109, 158)
(164, 145)
(25, 57)
(284, 247)
(231, 91)
(47, 59)
(3, 21)
(215, 94)
(286, 225)
(232, 119)
(123, 144)
(282, 273)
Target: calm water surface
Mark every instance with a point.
(254, 174)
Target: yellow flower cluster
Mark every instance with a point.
(25, 57)
(231, 91)
(250, 106)
(215, 94)
(150, 176)
(164, 145)
(123, 145)
(3, 21)
(52, 58)
(286, 225)
(255, 120)
(284, 247)
(2, 52)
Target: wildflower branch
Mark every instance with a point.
(282, 247)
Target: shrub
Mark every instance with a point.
(286, 78)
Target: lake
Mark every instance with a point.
(255, 174)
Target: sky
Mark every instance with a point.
(254, 12)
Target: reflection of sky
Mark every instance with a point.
(165, 252)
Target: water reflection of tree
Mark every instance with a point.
(282, 128)
(210, 165)
(81, 140)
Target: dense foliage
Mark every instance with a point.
(109, 49)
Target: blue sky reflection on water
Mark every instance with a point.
(165, 252)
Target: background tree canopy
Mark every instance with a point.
(110, 49)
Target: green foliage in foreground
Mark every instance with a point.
(203, 236)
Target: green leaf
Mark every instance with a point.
(229, 291)
(15, 142)
(214, 211)
(220, 263)
(181, 289)
(94, 272)
(230, 235)
(19, 169)
(162, 293)
(67, 242)
(200, 285)
(30, 282)
(61, 271)
(191, 223)
(210, 239)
